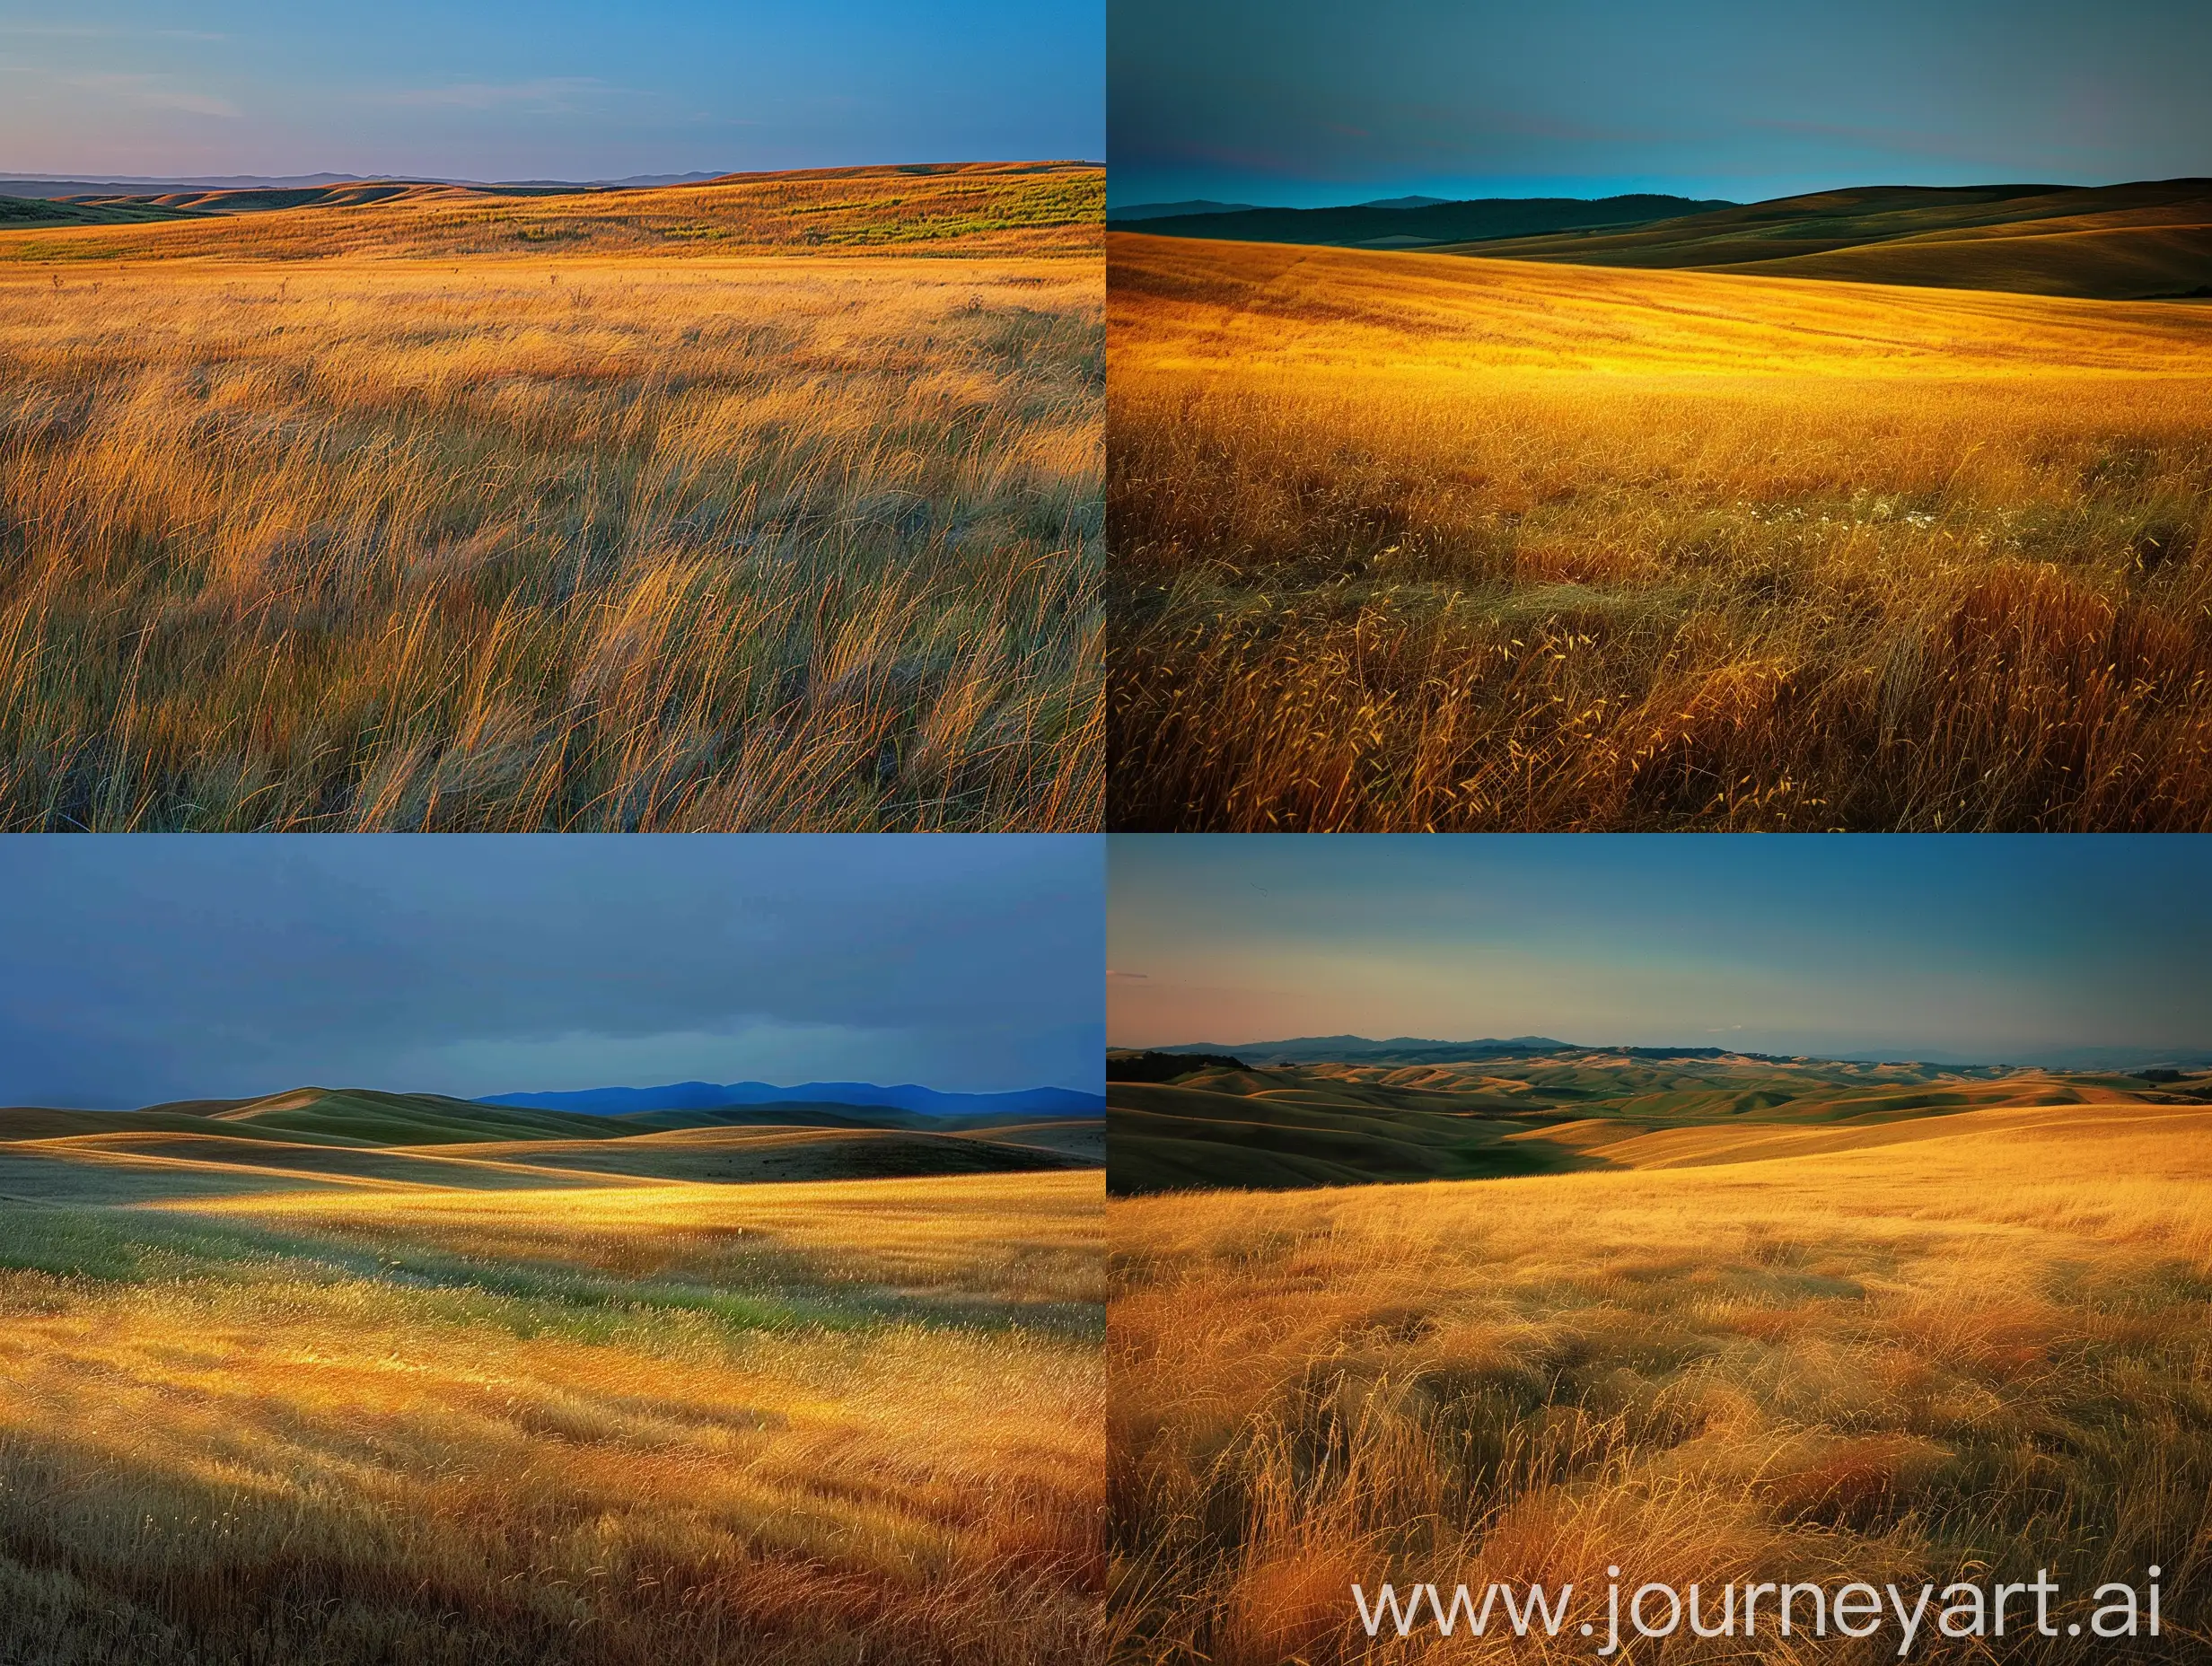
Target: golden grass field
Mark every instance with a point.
(1972, 1341)
(1407, 541)
(448, 1406)
(770, 505)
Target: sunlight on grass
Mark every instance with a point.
(1408, 541)
(774, 1424)
(603, 542)
(1981, 1347)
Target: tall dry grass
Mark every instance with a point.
(753, 1426)
(1410, 541)
(799, 543)
(1976, 1352)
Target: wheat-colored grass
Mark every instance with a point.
(948, 209)
(1406, 541)
(848, 1424)
(1979, 1350)
(421, 537)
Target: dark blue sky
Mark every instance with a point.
(136, 969)
(566, 89)
(1974, 948)
(1298, 102)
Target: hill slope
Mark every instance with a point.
(2140, 241)
(1430, 225)
(1047, 207)
(19, 212)
(1350, 1124)
(320, 1139)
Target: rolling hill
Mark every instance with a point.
(1949, 1340)
(18, 213)
(2148, 241)
(1351, 1123)
(321, 1139)
(1409, 223)
(1044, 208)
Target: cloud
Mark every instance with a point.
(154, 93)
(136, 970)
(1135, 976)
(551, 95)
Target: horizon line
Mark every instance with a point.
(1869, 1056)
(101, 176)
(1511, 195)
(484, 1099)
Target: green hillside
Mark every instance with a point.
(32, 211)
(320, 1138)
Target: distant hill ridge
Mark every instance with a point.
(1028, 206)
(1168, 211)
(2149, 240)
(1415, 1050)
(316, 1136)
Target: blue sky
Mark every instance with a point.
(499, 89)
(1977, 948)
(1300, 103)
(137, 967)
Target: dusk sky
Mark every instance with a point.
(137, 968)
(553, 89)
(1984, 949)
(1302, 102)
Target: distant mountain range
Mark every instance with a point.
(1415, 1050)
(713, 1096)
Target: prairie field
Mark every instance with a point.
(1970, 1344)
(773, 504)
(275, 1395)
(1414, 541)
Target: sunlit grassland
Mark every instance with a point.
(1972, 1343)
(957, 209)
(844, 1422)
(1406, 541)
(603, 539)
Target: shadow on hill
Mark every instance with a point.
(321, 1139)
(1355, 1123)
(2149, 240)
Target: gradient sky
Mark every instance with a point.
(550, 89)
(1301, 102)
(1990, 949)
(139, 967)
